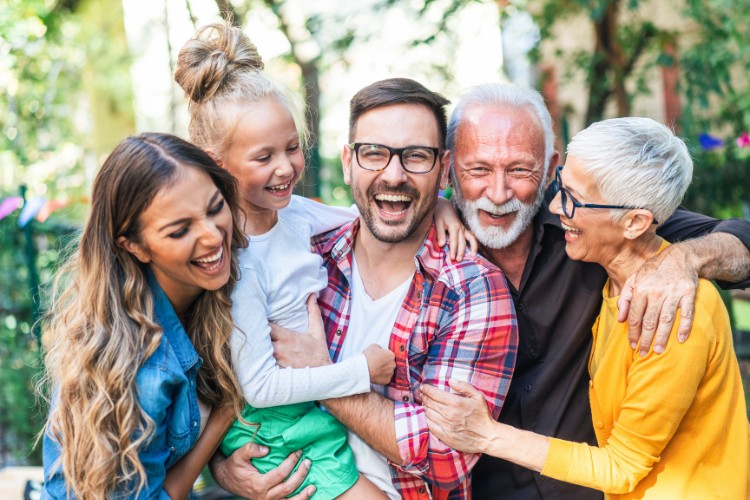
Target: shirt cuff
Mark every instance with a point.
(412, 436)
(361, 372)
(559, 455)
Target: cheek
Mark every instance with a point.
(525, 191)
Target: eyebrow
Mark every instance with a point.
(178, 222)
(572, 190)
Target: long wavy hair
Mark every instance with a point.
(100, 326)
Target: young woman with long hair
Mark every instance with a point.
(139, 324)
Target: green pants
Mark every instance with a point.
(302, 426)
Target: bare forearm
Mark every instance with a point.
(370, 416)
(182, 475)
(523, 448)
(717, 256)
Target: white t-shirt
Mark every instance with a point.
(371, 322)
(278, 272)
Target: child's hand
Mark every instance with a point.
(447, 221)
(381, 363)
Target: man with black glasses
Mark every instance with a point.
(503, 158)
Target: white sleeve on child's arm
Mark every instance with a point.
(320, 217)
(263, 382)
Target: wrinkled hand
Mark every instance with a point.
(381, 364)
(447, 221)
(299, 350)
(462, 421)
(650, 298)
(237, 475)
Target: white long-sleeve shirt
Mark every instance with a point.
(278, 273)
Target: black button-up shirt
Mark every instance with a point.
(556, 305)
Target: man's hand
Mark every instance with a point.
(462, 421)
(458, 235)
(299, 350)
(237, 475)
(650, 298)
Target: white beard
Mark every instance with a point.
(495, 237)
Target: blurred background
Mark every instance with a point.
(77, 76)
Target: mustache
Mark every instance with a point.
(513, 205)
(402, 188)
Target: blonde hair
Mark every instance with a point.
(100, 327)
(219, 69)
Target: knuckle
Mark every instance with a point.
(634, 321)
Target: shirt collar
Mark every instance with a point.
(173, 330)
(429, 259)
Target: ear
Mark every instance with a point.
(134, 248)
(445, 165)
(346, 163)
(554, 161)
(215, 157)
(637, 222)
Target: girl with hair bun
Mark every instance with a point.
(140, 320)
(252, 128)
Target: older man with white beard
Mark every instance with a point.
(503, 158)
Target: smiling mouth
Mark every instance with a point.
(210, 262)
(573, 232)
(280, 188)
(395, 204)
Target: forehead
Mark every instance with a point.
(186, 195)
(398, 125)
(499, 130)
(575, 178)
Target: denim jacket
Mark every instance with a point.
(166, 392)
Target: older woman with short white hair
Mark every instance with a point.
(672, 426)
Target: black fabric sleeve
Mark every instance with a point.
(685, 225)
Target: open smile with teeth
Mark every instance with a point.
(570, 230)
(211, 262)
(393, 203)
(280, 187)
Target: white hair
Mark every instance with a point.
(506, 95)
(635, 162)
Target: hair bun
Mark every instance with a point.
(207, 63)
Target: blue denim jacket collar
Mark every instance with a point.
(173, 330)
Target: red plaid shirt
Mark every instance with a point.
(456, 322)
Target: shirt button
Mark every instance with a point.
(527, 388)
(599, 425)
(519, 306)
(533, 353)
(401, 348)
(405, 399)
(421, 491)
(591, 383)
(338, 333)
(195, 423)
(172, 449)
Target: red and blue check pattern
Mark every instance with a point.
(457, 322)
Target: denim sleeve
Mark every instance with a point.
(155, 388)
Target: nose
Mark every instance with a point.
(211, 235)
(284, 167)
(499, 190)
(394, 172)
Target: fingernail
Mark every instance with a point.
(643, 353)
(262, 448)
(306, 462)
(298, 453)
(633, 345)
(682, 337)
(658, 349)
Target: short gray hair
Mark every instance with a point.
(506, 95)
(637, 162)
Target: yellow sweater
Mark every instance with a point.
(669, 426)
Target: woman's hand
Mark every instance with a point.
(462, 420)
(447, 221)
(237, 475)
(381, 364)
(299, 350)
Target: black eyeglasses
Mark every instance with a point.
(569, 203)
(414, 159)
